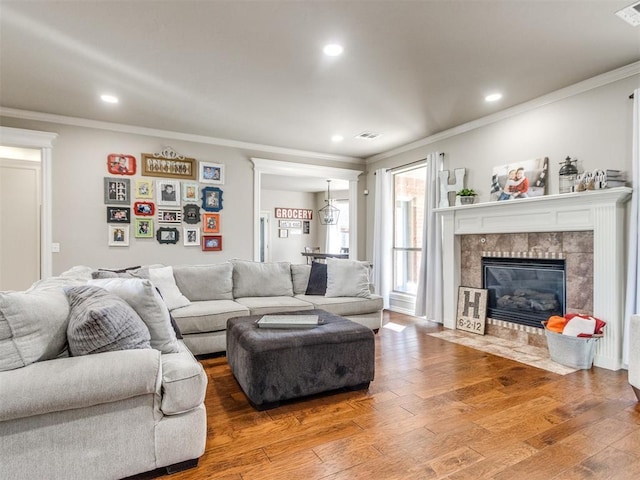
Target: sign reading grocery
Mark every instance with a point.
(297, 213)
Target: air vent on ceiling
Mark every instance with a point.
(630, 14)
(368, 135)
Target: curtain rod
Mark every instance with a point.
(393, 169)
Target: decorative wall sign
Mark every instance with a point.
(472, 309)
(211, 243)
(166, 215)
(190, 191)
(121, 164)
(283, 233)
(290, 223)
(144, 228)
(306, 227)
(191, 237)
(211, 173)
(168, 163)
(168, 192)
(167, 235)
(211, 199)
(211, 223)
(118, 235)
(294, 213)
(118, 215)
(191, 214)
(117, 191)
(144, 209)
(144, 188)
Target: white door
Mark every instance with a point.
(20, 202)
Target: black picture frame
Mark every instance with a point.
(167, 235)
(191, 214)
(118, 215)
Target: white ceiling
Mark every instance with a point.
(254, 71)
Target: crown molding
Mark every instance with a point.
(570, 91)
(167, 134)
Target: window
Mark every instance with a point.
(408, 196)
(338, 235)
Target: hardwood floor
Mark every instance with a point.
(435, 410)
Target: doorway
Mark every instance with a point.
(15, 143)
(20, 200)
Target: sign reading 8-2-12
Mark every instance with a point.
(472, 309)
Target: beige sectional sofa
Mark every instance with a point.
(238, 288)
(98, 414)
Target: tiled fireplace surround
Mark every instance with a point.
(586, 229)
(576, 248)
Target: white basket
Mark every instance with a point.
(576, 352)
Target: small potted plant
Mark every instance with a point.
(467, 196)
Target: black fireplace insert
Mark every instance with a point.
(525, 291)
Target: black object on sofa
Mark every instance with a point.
(280, 364)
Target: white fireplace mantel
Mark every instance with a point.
(602, 211)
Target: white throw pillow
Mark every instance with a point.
(142, 296)
(163, 279)
(347, 278)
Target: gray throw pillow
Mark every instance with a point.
(102, 322)
(144, 298)
(256, 279)
(347, 278)
(205, 282)
(33, 324)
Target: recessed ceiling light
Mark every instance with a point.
(333, 50)
(337, 138)
(109, 98)
(493, 97)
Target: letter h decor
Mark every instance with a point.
(446, 187)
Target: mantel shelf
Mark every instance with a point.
(605, 195)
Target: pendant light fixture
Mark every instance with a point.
(329, 214)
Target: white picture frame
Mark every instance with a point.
(191, 237)
(190, 192)
(212, 173)
(118, 235)
(168, 193)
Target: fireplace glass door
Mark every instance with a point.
(524, 291)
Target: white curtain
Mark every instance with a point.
(633, 273)
(429, 296)
(382, 235)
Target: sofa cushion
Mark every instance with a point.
(143, 297)
(128, 272)
(207, 316)
(345, 306)
(162, 277)
(300, 277)
(33, 325)
(205, 282)
(255, 279)
(184, 382)
(317, 279)
(347, 278)
(267, 305)
(79, 382)
(100, 321)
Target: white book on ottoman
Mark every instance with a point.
(289, 321)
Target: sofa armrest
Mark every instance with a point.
(77, 382)
(184, 382)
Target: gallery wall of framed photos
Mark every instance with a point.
(167, 198)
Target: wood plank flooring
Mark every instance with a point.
(435, 410)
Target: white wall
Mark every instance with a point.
(79, 212)
(288, 249)
(594, 126)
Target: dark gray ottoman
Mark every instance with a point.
(279, 364)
